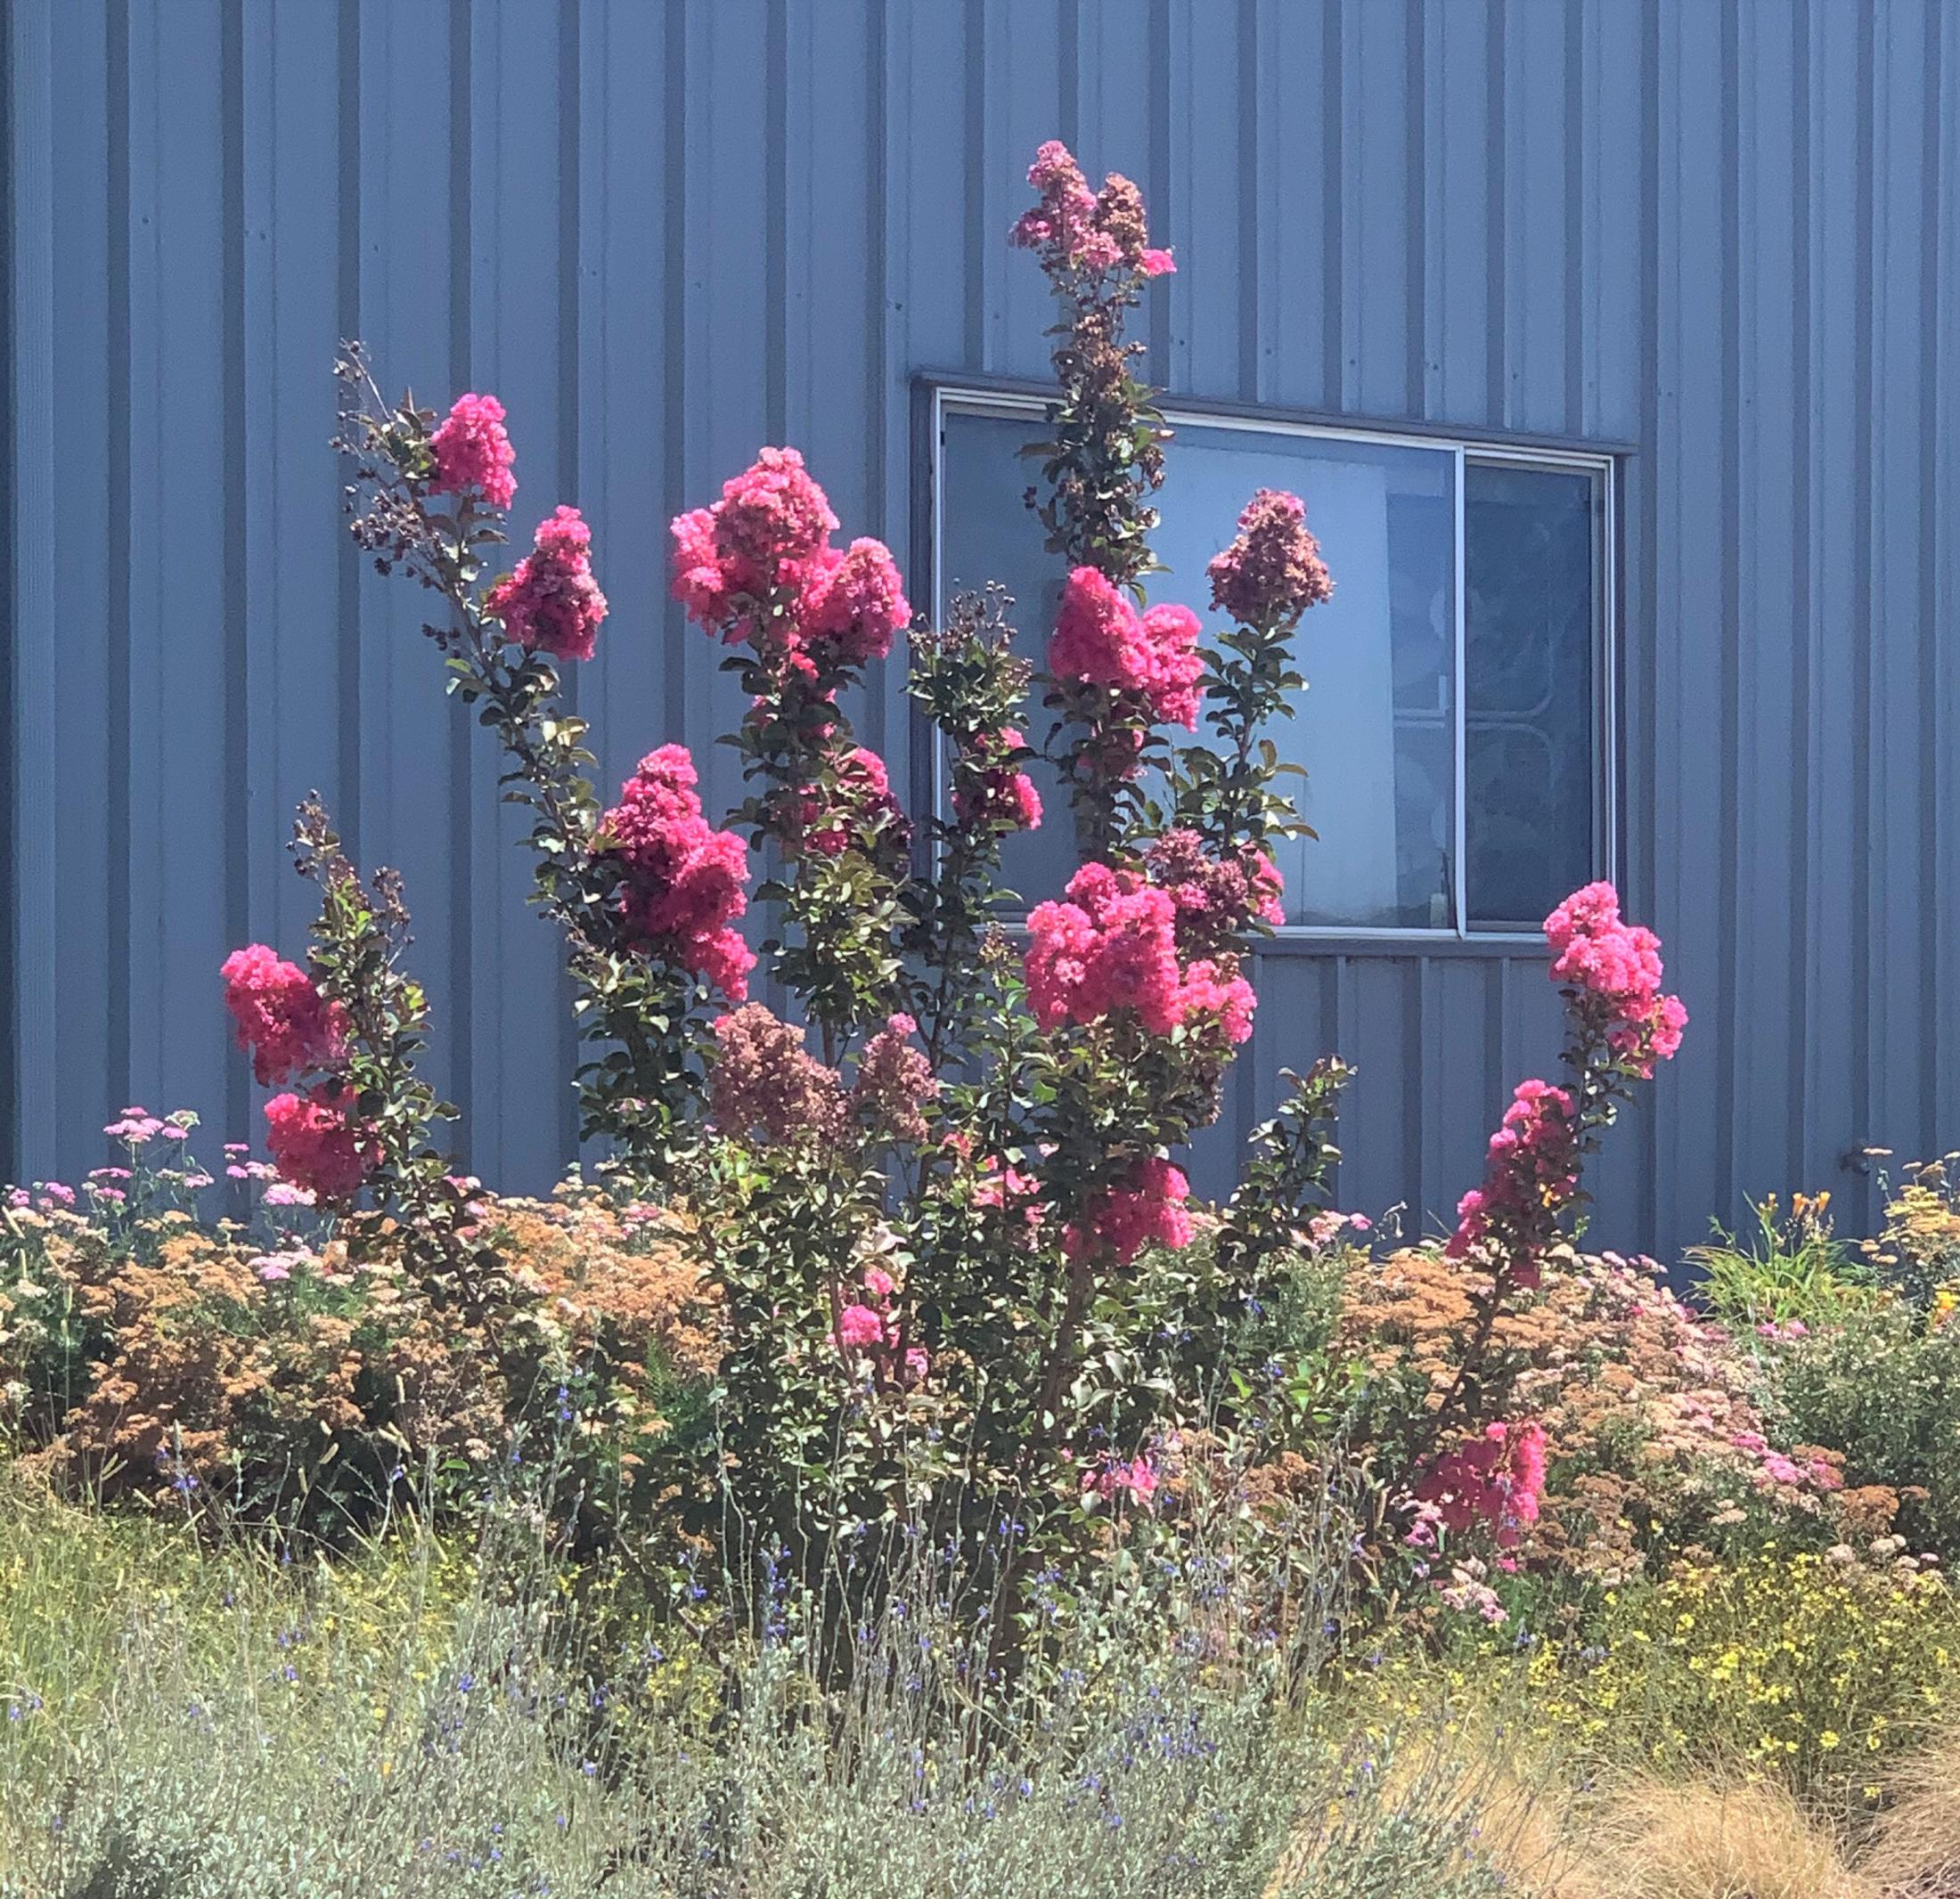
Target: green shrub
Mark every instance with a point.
(1885, 1392)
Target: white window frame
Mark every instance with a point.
(953, 397)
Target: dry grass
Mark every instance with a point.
(1915, 1851)
(1655, 1841)
(1463, 1792)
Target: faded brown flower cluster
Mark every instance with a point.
(183, 1364)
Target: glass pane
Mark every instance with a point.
(987, 532)
(1531, 592)
(1374, 730)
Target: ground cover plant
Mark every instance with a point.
(873, 1470)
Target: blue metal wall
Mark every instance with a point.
(1723, 231)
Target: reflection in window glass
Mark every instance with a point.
(1531, 589)
(1376, 731)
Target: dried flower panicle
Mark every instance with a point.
(763, 1080)
(1272, 572)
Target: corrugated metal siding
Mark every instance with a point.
(1725, 233)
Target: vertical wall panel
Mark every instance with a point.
(411, 804)
(1722, 235)
(71, 567)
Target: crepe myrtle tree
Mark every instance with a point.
(940, 1201)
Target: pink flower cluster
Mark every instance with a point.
(314, 1145)
(552, 602)
(1615, 968)
(857, 814)
(894, 1081)
(763, 1079)
(138, 1126)
(45, 1196)
(282, 1019)
(1101, 639)
(1147, 1208)
(683, 878)
(855, 602)
(1113, 945)
(1272, 572)
(1006, 1187)
(1774, 1467)
(759, 563)
(868, 1326)
(1002, 797)
(1494, 1481)
(1533, 1171)
(1116, 1477)
(472, 450)
(1082, 229)
(1215, 899)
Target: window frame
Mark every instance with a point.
(942, 397)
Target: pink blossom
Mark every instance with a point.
(860, 1328)
(1003, 797)
(1494, 1480)
(472, 450)
(1101, 639)
(700, 583)
(1111, 945)
(1272, 572)
(1170, 636)
(1147, 1208)
(1114, 1477)
(684, 880)
(1216, 990)
(1064, 218)
(773, 512)
(552, 603)
(282, 1017)
(1076, 230)
(877, 1283)
(1533, 1171)
(850, 614)
(1614, 969)
(314, 1145)
(771, 518)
